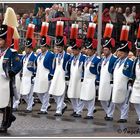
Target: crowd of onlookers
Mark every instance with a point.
(83, 16)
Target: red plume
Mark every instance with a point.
(10, 32)
(108, 30)
(113, 42)
(34, 42)
(65, 40)
(94, 43)
(74, 31)
(16, 44)
(138, 34)
(44, 29)
(129, 45)
(48, 41)
(59, 28)
(124, 33)
(79, 43)
(30, 31)
(91, 30)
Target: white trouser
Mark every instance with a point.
(44, 98)
(137, 108)
(108, 110)
(88, 104)
(124, 108)
(59, 103)
(75, 102)
(29, 99)
(16, 102)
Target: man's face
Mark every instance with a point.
(90, 52)
(75, 52)
(138, 52)
(122, 54)
(28, 50)
(60, 49)
(2, 43)
(43, 49)
(106, 51)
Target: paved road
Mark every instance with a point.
(32, 124)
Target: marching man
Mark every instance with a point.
(9, 66)
(135, 95)
(88, 90)
(75, 69)
(58, 83)
(121, 75)
(106, 73)
(44, 72)
(28, 69)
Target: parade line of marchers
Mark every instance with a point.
(77, 74)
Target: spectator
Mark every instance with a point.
(47, 11)
(79, 18)
(120, 17)
(31, 19)
(60, 12)
(112, 14)
(129, 18)
(105, 16)
(83, 31)
(85, 14)
(120, 21)
(71, 13)
(91, 15)
(134, 12)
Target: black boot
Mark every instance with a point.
(3, 128)
(9, 117)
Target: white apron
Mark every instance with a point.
(88, 91)
(104, 86)
(120, 85)
(75, 80)
(41, 79)
(58, 85)
(135, 96)
(26, 78)
(4, 88)
(18, 82)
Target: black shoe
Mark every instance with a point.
(64, 109)
(27, 111)
(138, 122)
(73, 114)
(3, 130)
(48, 107)
(108, 118)
(57, 114)
(94, 111)
(77, 116)
(42, 112)
(15, 110)
(122, 121)
(12, 119)
(89, 117)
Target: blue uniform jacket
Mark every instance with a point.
(31, 63)
(127, 70)
(48, 62)
(65, 60)
(68, 66)
(11, 61)
(95, 66)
